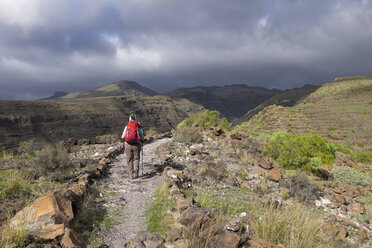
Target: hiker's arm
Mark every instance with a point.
(125, 130)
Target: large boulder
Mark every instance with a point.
(46, 217)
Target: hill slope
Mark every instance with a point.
(114, 89)
(231, 100)
(340, 110)
(54, 120)
(287, 98)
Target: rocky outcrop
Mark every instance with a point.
(49, 216)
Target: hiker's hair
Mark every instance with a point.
(132, 117)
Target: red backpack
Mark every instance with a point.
(132, 134)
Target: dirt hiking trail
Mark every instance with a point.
(131, 196)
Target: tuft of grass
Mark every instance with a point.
(13, 184)
(158, 218)
(294, 225)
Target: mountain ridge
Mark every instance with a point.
(119, 88)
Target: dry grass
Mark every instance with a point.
(13, 183)
(294, 226)
(18, 234)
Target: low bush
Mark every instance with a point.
(54, 162)
(293, 226)
(351, 176)
(307, 152)
(188, 135)
(157, 218)
(300, 187)
(28, 149)
(206, 119)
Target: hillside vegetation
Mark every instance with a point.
(340, 111)
(286, 98)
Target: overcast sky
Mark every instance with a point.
(73, 45)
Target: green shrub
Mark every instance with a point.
(307, 152)
(54, 162)
(206, 119)
(225, 124)
(188, 135)
(351, 176)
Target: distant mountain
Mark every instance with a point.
(286, 98)
(232, 101)
(56, 95)
(115, 89)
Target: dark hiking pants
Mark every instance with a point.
(132, 152)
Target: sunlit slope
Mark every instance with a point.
(340, 110)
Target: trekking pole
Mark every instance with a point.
(143, 172)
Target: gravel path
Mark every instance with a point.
(131, 196)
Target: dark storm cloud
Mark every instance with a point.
(76, 45)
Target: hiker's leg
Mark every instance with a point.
(129, 155)
(136, 155)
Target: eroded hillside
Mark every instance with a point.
(55, 120)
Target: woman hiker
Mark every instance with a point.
(133, 136)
